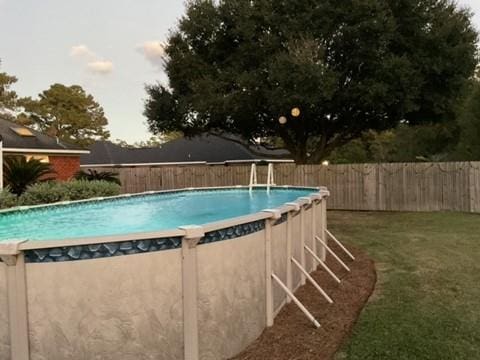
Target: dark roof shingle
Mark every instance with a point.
(204, 148)
(38, 141)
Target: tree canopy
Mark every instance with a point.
(152, 142)
(237, 66)
(68, 113)
(455, 140)
(8, 97)
(405, 143)
(469, 124)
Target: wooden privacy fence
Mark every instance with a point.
(397, 186)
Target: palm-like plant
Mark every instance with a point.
(19, 173)
(94, 175)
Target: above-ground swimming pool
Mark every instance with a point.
(140, 213)
(182, 274)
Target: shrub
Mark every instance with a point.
(44, 193)
(20, 173)
(82, 189)
(7, 199)
(49, 192)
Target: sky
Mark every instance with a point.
(112, 48)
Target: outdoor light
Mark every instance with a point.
(325, 163)
(282, 120)
(295, 112)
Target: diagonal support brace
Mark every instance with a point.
(296, 301)
(340, 245)
(331, 252)
(312, 280)
(327, 269)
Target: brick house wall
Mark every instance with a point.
(65, 167)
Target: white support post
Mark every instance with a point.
(331, 252)
(17, 301)
(340, 245)
(303, 279)
(296, 301)
(253, 177)
(323, 215)
(275, 215)
(272, 178)
(269, 176)
(193, 234)
(314, 233)
(289, 254)
(327, 269)
(268, 273)
(312, 280)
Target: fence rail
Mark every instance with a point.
(398, 186)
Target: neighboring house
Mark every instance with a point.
(204, 149)
(20, 140)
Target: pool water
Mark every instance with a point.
(140, 213)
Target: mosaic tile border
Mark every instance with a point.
(233, 232)
(131, 247)
(102, 250)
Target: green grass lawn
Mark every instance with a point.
(426, 304)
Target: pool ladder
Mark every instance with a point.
(253, 178)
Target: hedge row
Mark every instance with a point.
(51, 191)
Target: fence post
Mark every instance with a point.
(192, 236)
(474, 188)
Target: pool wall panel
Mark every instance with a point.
(4, 325)
(231, 295)
(125, 307)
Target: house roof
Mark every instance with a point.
(32, 140)
(204, 148)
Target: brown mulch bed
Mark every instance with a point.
(294, 337)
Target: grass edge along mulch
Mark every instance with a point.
(293, 336)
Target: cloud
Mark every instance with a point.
(94, 63)
(102, 67)
(82, 51)
(153, 51)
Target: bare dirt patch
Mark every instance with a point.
(293, 337)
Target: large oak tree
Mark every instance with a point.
(236, 66)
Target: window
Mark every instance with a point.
(22, 131)
(41, 158)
